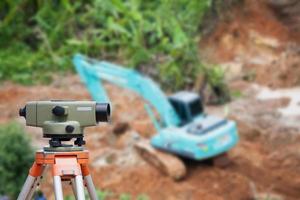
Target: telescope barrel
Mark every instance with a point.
(102, 112)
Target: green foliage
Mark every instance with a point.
(142, 197)
(16, 157)
(215, 75)
(38, 37)
(236, 94)
(106, 194)
(216, 79)
(125, 196)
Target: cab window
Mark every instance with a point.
(196, 107)
(180, 109)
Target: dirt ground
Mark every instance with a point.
(265, 163)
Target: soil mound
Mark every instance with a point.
(257, 41)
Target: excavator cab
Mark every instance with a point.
(187, 105)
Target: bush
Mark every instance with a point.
(215, 77)
(161, 36)
(16, 157)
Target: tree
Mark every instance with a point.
(16, 157)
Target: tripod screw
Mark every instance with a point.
(55, 142)
(79, 142)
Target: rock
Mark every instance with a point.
(120, 128)
(271, 196)
(123, 158)
(233, 70)
(127, 139)
(264, 41)
(168, 164)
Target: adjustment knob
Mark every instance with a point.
(59, 111)
(79, 141)
(69, 129)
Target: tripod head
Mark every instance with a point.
(63, 120)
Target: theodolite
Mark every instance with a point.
(62, 121)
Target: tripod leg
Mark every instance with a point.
(89, 182)
(73, 183)
(91, 188)
(36, 183)
(79, 187)
(58, 188)
(29, 185)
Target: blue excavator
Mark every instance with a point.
(183, 128)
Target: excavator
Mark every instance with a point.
(183, 128)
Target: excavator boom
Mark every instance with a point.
(92, 72)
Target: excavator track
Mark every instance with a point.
(166, 163)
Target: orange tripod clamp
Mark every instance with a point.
(63, 163)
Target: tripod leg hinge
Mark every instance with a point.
(85, 169)
(36, 170)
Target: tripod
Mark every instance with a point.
(71, 166)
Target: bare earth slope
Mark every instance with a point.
(258, 41)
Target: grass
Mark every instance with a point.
(158, 37)
(106, 194)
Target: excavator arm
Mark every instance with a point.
(92, 72)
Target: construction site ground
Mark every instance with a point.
(260, 53)
(264, 163)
